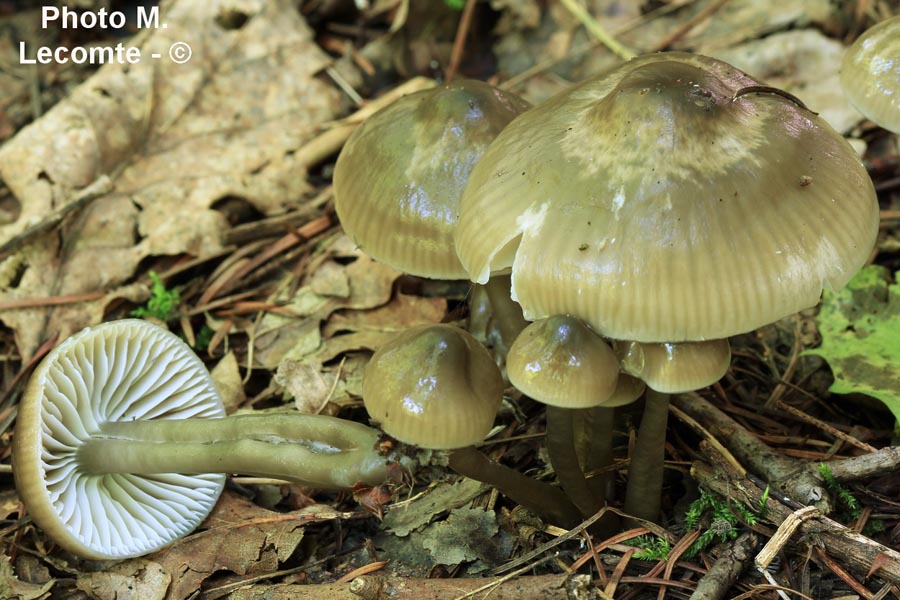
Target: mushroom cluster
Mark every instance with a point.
(669, 203)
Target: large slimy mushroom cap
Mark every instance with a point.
(119, 371)
(559, 361)
(672, 199)
(399, 178)
(870, 74)
(433, 386)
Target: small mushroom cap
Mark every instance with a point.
(676, 368)
(433, 386)
(628, 389)
(122, 370)
(870, 74)
(559, 361)
(672, 199)
(399, 178)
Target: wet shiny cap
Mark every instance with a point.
(399, 178)
(676, 368)
(433, 386)
(870, 74)
(672, 199)
(559, 361)
(119, 371)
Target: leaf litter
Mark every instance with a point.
(184, 146)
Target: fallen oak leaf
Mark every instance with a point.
(174, 139)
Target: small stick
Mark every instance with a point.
(824, 426)
(596, 30)
(459, 42)
(688, 25)
(725, 571)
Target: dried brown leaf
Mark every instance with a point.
(175, 138)
(135, 579)
(239, 537)
(13, 588)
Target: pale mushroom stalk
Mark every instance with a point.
(643, 494)
(314, 450)
(506, 312)
(666, 369)
(564, 458)
(542, 499)
(594, 445)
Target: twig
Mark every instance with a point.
(459, 42)
(574, 532)
(50, 300)
(785, 473)
(836, 433)
(596, 30)
(690, 24)
(378, 587)
(879, 462)
(842, 574)
(728, 567)
(99, 187)
(728, 456)
(852, 550)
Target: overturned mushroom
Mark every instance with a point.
(121, 443)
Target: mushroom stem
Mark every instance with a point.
(593, 443)
(315, 450)
(561, 449)
(507, 312)
(545, 500)
(645, 475)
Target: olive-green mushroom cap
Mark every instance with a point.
(559, 361)
(676, 368)
(670, 200)
(628, 389)
(399, 178)
(433, 386)
(870, 74)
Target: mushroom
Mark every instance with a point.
(870, 74)
(560, 362)
(673, 199)
(666, 369)
(121, 443)
(436, 387)
(400, 176)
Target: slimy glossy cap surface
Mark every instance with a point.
(672, 199)
(676, 368)
(559, 361)
(870, 74)
(399, 178)
(433, 386)
(122, 370)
